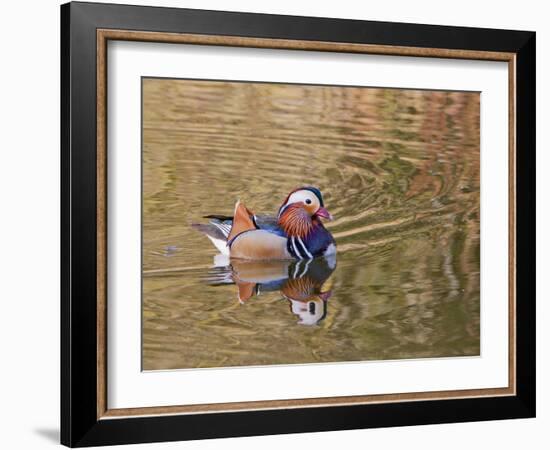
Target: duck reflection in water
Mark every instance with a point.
(304, 283)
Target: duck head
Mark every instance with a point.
(302, 210)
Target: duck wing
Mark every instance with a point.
(221, 228)
(242, 221)
(262, 222)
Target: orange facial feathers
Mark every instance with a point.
(295, 221)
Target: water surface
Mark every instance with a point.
(399, 170)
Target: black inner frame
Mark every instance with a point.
(79, 423)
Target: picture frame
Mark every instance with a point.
(86, 29)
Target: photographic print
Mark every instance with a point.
(298, 224)
(276, 224)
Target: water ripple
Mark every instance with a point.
(399, 170)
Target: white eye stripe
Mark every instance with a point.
(302, 196)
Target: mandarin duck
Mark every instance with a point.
(296, 232)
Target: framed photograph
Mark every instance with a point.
(277, 224)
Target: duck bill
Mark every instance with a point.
(323, 212)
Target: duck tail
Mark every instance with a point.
(215, 234)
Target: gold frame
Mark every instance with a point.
(103, 36)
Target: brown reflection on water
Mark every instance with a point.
(399, 169)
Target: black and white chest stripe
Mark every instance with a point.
(297, 248)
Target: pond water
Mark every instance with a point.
(399, 171)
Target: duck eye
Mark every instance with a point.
(308, 201)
